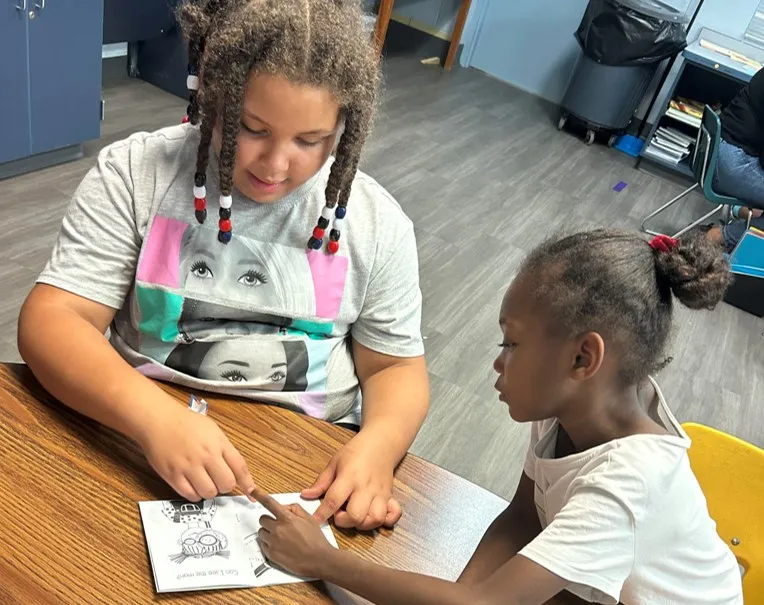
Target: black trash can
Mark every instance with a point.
(622, 49)
(604, 97)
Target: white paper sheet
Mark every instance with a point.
(213, 544)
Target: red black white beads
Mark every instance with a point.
(317, 239)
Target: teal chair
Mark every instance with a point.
(704, 160)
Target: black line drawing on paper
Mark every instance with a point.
(259, 563)
(261, 569)
(199, 540)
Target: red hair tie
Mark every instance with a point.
(664, 243)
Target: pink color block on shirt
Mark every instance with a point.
(313, 404)
(160, 263)
(329, 273)
(157, 372)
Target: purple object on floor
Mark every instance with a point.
(620, 186)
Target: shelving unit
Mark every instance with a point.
(705, 76)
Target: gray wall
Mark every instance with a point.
(530, 44)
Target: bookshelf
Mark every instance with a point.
(707, 77)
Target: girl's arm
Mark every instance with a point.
(517, 526)
(395, 402)
(294, 541)
(396, 394)
(519, 581)
(61, 338)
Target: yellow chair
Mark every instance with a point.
(731, 475)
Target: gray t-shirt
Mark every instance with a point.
(261, 317)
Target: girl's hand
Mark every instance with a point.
(293, 540)
(191, 453)
(360, 477)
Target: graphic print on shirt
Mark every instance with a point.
(250, 315)
(279, 365)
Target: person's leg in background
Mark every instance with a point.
(740, 175)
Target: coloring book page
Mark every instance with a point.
(213, 544)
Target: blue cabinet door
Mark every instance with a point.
(15, 136)
(65, 72)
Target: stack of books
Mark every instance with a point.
(686, 110)
(670, 145)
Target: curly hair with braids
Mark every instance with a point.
(614, 283)
(321, 43)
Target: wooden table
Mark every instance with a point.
(383, 21)
(70, 531)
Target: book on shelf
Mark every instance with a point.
(669, 148)
(675, 136)
(683, 117)
(688, 111)
(670, 145)
(688, 106)
(655, 152)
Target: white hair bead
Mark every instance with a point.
(338, 224)
(327, 212)
(192, 82)
(200, 192)
(226, 201)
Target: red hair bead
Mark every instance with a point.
(319, 233)
(184, 120)
(224, 224)
(333, 247)
(200, 203)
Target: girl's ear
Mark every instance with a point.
(589, 355)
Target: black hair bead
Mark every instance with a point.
(323, 223)
(201, 215)
(334, 235)
(224, 213)
(200, 179)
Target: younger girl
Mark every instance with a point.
(301, 287)
(608, 507)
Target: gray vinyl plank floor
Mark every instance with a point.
(482, 171)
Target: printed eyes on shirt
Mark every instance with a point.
(233, 376)
(201, 270)
(277, 376)
(253, 278)
(236, 376)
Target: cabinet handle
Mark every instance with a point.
(39, 5)
(23, 6)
